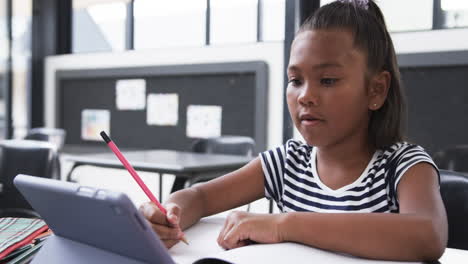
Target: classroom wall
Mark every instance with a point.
(431, 41)
(271, 53)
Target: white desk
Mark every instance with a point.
(202, 238)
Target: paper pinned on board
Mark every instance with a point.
(162, 110)
(93, 121)
(130, 94)
(204, 121)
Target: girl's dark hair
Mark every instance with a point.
(366, 22)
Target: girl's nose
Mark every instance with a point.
(308, 96)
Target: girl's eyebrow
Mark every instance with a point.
(328, 65)
(292, 68)
(295, 68)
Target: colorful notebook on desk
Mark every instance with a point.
(18, 232)
(23, 255)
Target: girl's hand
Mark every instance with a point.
(242, 228)
(167, 227)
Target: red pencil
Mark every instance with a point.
(134, 174)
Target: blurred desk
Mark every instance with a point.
(188, 167)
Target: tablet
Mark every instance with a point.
(87, 221)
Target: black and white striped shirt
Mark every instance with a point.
(291, 179)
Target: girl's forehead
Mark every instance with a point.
(324, 46)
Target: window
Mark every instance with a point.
(233, 21)
(105, 25)
(162, 23)
(455, 13)
(4, 54)
(21, 62)
(99, 25)
(401, 15)
(273, 20)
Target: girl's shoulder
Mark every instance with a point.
(401, 148)
(293, 150)
(403, 151)
(293, 147)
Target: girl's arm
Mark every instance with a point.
(417, 233)
(187, 206)
(229, 191)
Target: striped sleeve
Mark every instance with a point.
(408, 157)
(273, 168)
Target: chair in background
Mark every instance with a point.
(55, 136)
(454, 191)
(228, 145)
(25, 157)
(453, 158)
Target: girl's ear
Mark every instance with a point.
(378, 90)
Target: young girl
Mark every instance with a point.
(354, 186)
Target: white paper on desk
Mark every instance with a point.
(291, 253)
(130, 94)
(163, 109)
(202, 238)
(203, 235)
(204, 121)
(93, 121)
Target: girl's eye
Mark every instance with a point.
(294, 82)
(328, 81)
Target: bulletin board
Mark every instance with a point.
(237, 91)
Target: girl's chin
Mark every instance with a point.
(312, 142)
(315, 140)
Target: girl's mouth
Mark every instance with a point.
(309, 120)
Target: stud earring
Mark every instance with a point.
(375, 105)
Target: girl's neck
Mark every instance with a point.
(347, 153)
(341, 164)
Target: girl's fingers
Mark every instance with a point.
(165, 232)
(170, 243)
(173, 214)
(231, 239)
(222, 231)
(228, 226)
(235, 238)
(152, 213)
